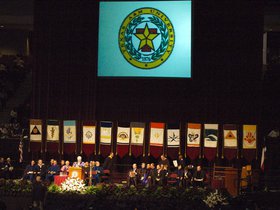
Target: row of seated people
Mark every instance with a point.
(48, 172)
(160, 175)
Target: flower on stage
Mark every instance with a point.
(215, 198)
(73, 185)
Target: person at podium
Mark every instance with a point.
(79, 162)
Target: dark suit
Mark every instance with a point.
(108, 164)
(41, 171)
(29, 172)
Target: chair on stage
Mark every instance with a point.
(105, 177)
(172, 179)
(246, 179)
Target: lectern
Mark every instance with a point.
(76, 172)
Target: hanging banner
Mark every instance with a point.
(156, 139)
(137, 130)
(35, 135)
(193, 140)
(52, 130)
(210, 136)
(249, 136)
(249, 142)
(123, 138)
(173, 140)
(193, 134)
(89, 137)
(69, 136)
(105, 138)
(230, 136)
(52, 143)
(36, 130)
(230, 141)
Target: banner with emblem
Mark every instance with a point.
(35, 134)
(69, 136)
(52, 143)
(143, 35)
(230, 141)
(249, 142)
(173, 140)
(36, 130)
(89, 138)
(123, 138)
(156, 138)
(210, 136)
(137, 131)
(193, 140)
(105, 138)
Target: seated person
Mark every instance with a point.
(180, 176)
(148, 175)
(132, 176)
(52, 170)
(2, 166)
(164, 161)
(199, 177)
(152, 175)
(158, 177)
(79, 162)
(62, 163)
(142, 173)
(164, 174)
(29, 171)
(8, 169)
(86, 169)
(98, 170)
(65, 168)
(40, 169)
(188, 175)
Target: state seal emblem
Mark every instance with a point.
(146, 38)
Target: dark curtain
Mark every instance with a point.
(226, 68)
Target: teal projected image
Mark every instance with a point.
(145, 39)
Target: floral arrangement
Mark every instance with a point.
(73, 185)
(215, 198)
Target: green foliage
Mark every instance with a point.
(15, 186)
(54, 188)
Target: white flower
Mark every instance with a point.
(73, 185)
(215, 198)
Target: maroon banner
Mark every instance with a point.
(173, 152)
(156, 151)
(52, 147)
(105, 150)
(193, 152)
(210, 153)
(249, 154)
(122, 150)
(35, 146)
(88, 149)
(69, 149)
(230, 153)
(136, 150)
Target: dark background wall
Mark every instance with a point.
(13, 41)
(227, 63)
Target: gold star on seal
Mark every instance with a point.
(146, 37)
